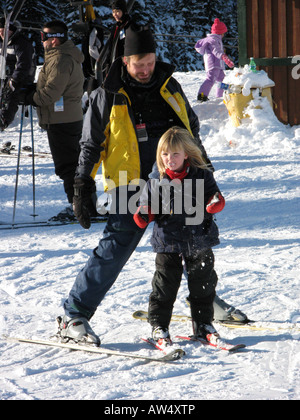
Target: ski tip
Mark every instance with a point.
(174, 355)
(237, 347)
(138, 314)
(178, 353)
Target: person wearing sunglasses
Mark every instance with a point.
(57, 98)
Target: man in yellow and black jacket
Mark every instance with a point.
(122, 110)
(138, 102)
(126, 119)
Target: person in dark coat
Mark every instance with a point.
(184, 231)
(116, 40)
(20, 71)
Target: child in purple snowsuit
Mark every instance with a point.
(212, 49)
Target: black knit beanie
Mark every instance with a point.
(138, 40)
(119, 4)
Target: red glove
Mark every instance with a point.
(143, 218)
(227, 60)
(215, 204)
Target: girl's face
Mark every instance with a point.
(174, 160)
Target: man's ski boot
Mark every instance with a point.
(77, 330)
(225, 313)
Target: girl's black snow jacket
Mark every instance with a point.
(172, 232)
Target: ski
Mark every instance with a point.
(24, 153)
(36, 154)
(143, 316)
(215, 341)
(168, 350)
(89, 349)
(48, 223)
(3, 54)
(292, 328)
(9, 150)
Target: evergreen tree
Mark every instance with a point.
(182, 22)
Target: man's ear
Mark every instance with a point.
(55, 42)
(125, 61)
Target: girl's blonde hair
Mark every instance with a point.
(179, 138)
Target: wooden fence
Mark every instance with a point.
(269, 31)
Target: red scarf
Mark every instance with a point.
(178, 175)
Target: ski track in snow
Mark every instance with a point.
(257, 263)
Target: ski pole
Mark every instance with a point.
(18, 164)
(33, 163)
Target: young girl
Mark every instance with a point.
(212, 49)
(179, 161)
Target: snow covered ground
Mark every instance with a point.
(257, 168)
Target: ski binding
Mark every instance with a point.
(166, 347)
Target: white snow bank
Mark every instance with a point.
(244, 77)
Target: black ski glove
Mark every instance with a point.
(26, 94)
(83, 203)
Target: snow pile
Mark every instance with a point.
(260, 133)
(255, 134)
(257, 263)
(245, 78)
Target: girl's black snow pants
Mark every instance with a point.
(202, 282)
